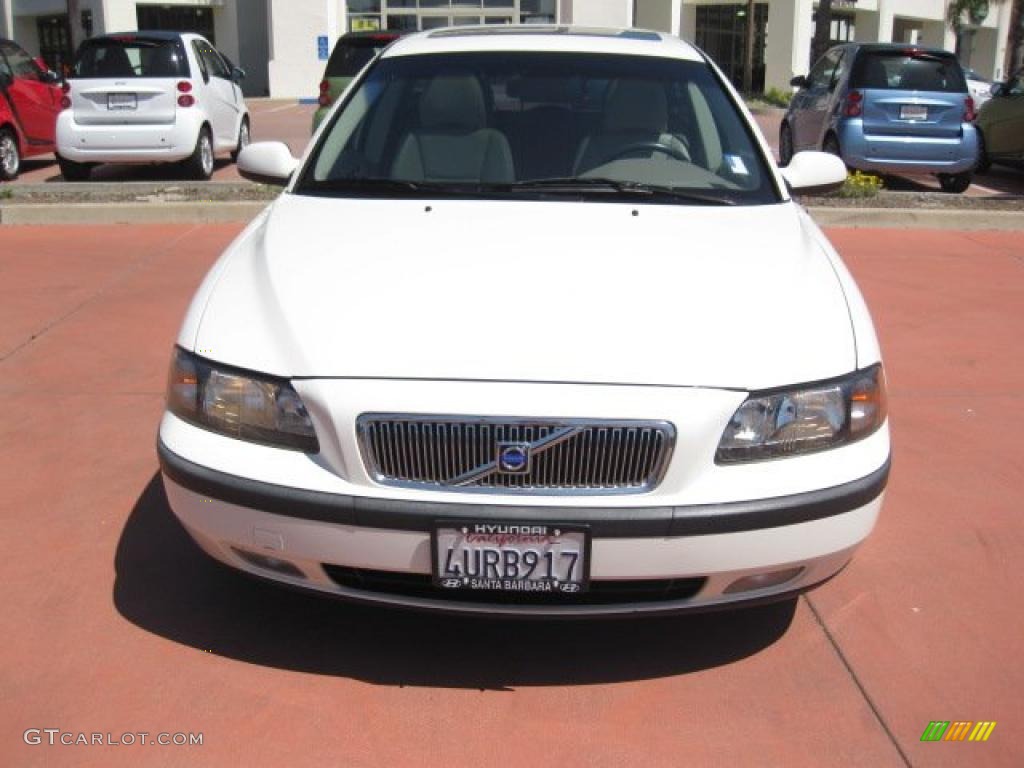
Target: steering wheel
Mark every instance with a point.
(677, 153)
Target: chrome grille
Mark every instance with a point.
(460, 453)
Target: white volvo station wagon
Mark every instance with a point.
(534, 328)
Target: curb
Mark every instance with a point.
(131, 213)
(916, 218)
(213, 212)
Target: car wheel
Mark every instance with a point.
(954, 182)
(200, 165)
(984, 162)
(785, 144)
(243, 138)
(72, 171)
(10, 155)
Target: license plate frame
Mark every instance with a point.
(121, 102)
(913, 112)
(567, 537)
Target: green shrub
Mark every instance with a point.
(777, 98)
(859, 184)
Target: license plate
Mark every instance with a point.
(122, 101)
(512, 557)
(913, 112)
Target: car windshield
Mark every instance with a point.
(540, 125)
(899, 70)
(130, 57)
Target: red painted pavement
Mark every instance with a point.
(113, 621)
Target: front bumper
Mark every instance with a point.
(307, 538)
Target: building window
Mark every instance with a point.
(722, 33)
(842, 29)
(177, 18)
(412, 15)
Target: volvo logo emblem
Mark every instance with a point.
(514, 458)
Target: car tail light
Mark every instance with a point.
(969, 111)
(184, 86)
(854, 104)
(186, 100)
(65, 102)
(65, 87)
(325, 95)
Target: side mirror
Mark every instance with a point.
(237, 74)
(814, 173)
(800, 81)
(997, 90)
(267, 162)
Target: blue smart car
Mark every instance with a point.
(886, 108)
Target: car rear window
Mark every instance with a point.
(350, 56)
(131, 57)
(908, 71)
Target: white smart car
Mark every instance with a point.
(535, 327)
(150, 97)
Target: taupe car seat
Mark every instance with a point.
(635, 112)
(452, 141)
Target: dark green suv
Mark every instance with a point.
(351, 53)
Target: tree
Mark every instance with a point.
(748, 50)
(822, 30)
(1015, 45)
(963, 14)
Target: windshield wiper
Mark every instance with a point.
(601, 185)
(373, 184)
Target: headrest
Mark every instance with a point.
(453, 102)
(635, 106)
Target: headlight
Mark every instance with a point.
(775, 424)
(240, 404)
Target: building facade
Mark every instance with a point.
(281, 43)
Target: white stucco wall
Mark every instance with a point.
(603, 13)
(275, 40)
(295, 71)
(788, 41)
(654, 14)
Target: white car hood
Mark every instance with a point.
(738, 297)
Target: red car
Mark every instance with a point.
(30, 100)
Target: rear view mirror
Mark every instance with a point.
(267, 162)
(814, 173)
